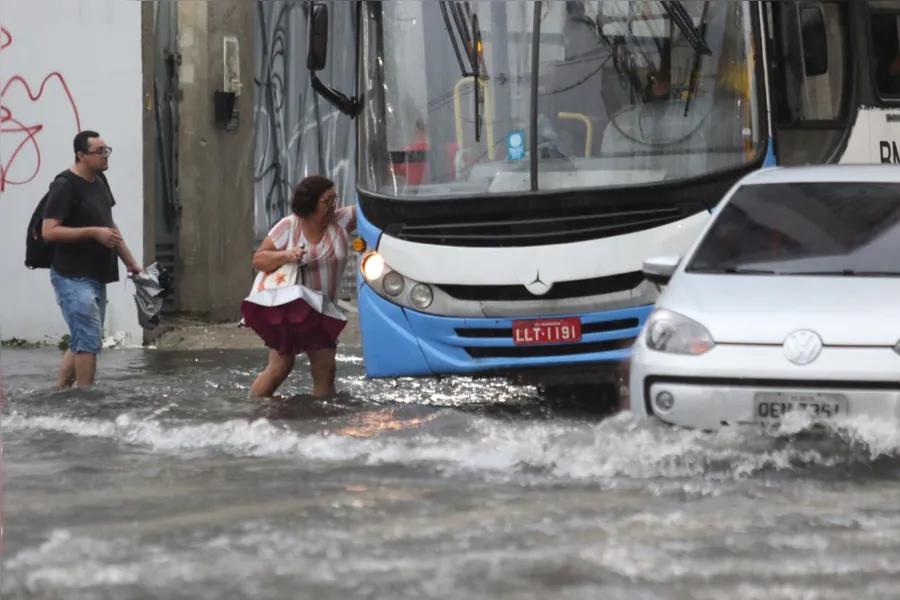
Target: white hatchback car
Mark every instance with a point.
(789, 300)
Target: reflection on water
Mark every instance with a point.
(167, 481)
(358, 418)
(371, 423)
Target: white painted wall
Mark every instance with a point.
(95, 47)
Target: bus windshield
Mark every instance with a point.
(628, 93)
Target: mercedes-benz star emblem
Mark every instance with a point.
(538, 287)
(802, 347)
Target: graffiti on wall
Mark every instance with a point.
(297, 133)
(23, 131)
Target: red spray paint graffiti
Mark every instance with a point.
(10, 125)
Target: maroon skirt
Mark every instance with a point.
(292, 328)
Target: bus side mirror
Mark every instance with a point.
(317, 53)
(815, 41)
(316, 58)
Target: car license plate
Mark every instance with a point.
(771, 407)
(546, 331)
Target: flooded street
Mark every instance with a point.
(167, 482)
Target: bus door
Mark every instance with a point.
(883, 49)
(811, 79)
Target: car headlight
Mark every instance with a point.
(670, 332)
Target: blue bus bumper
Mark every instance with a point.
(402, 343)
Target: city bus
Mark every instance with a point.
(517, 161)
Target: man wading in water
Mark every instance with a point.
(78, 221)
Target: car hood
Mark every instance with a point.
(760, 309)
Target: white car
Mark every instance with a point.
(788, 301)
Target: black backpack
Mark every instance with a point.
(38, 252)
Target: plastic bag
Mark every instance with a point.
(151, 287)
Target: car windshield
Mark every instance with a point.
(827, 228)
(628, 93)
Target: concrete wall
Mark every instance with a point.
(215, 162)
(65, 65)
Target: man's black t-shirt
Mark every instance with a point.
(77, 202)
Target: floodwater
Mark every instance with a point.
(166, 482)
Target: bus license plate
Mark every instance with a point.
(546, 331)
(771, 407)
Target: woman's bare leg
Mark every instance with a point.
(273, 376)
(322, 366)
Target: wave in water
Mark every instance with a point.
(618, 447)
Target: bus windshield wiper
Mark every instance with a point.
(698, 56)
(471, 42)
(682, 18)
(452, 33)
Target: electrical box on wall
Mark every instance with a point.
(226, 106)
(231, 57)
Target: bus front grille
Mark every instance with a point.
(479, 352)
(537, 230)
(563, 290)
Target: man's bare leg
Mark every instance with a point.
(85, 369)
(66, 376)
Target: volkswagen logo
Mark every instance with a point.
(802, 347)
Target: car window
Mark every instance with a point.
(801, 228)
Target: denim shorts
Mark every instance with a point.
(83, 304)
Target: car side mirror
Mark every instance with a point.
(317, 52)
(815, 41)
(659, 269)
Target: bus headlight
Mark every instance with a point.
(421, 296)
(372, 266)
(676, 334)
(397, 288)
(393, 284)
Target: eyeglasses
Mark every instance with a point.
(102, 152)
